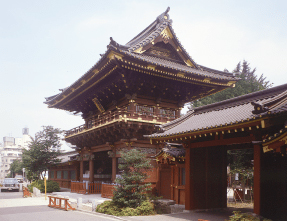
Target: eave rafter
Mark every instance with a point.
(212, 135)
(173, 73)
(276, 142)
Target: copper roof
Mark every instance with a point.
(228, 112)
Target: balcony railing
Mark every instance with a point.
(139, 112)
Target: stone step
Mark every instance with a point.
(176, 208)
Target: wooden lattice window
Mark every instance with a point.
(65, 174)
(59, 174)
(73, 175)
(167, 113)
(144, 110)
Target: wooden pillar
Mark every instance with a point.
(188, 177)
(91, 169)
(257, 178)
(81, 170)
(114, 168)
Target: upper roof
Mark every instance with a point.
(229, 112)
(155, 50)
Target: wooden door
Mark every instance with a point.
(178, 183)
(164, 190)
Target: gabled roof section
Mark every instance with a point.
(153, 38)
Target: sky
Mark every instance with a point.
(47, 45)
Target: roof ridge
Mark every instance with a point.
(162, 18)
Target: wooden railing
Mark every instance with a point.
(94, 188)
(161, 116)
(56, 202)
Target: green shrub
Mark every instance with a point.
(109, 207)
(238, 216)
(52, 186)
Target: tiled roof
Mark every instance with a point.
(66, 157)
(232, 111)
(144, 38)
(183, 68)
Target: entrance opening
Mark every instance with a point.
(240, 175)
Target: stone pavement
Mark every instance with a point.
(19, 202)
(216, 215)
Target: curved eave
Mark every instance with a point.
(115, 57)
(96, 74)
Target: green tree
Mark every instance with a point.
(131, 191)
(15, 167)
(42, 151)
(248, 83)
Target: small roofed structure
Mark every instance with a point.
(171, 153)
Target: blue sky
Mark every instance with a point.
(47, 45)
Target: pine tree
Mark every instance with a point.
(248, 83)
(132, 191)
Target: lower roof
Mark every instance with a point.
(229, 112)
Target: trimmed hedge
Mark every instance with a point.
(52, 186)
(109, 207)
(238, 216)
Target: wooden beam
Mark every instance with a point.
(223, 142)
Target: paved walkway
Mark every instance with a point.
(219, 215)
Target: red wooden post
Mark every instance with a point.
(49, 200)
(188, 186)
(81, 170)
(114, 168)
(257, 178)
(91, 169)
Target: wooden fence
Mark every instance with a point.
(107, 190)
(79, 187)
(94, 188)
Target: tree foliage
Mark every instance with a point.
(131, 191)
(42, 151)
(248, 83)
(15, 167)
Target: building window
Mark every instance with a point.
(182, 176)
(52, 174)
(73, 175)
(167, 113)
(65, 173)
(59, 174)
(144, 110)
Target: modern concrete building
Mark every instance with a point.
(12, 150)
